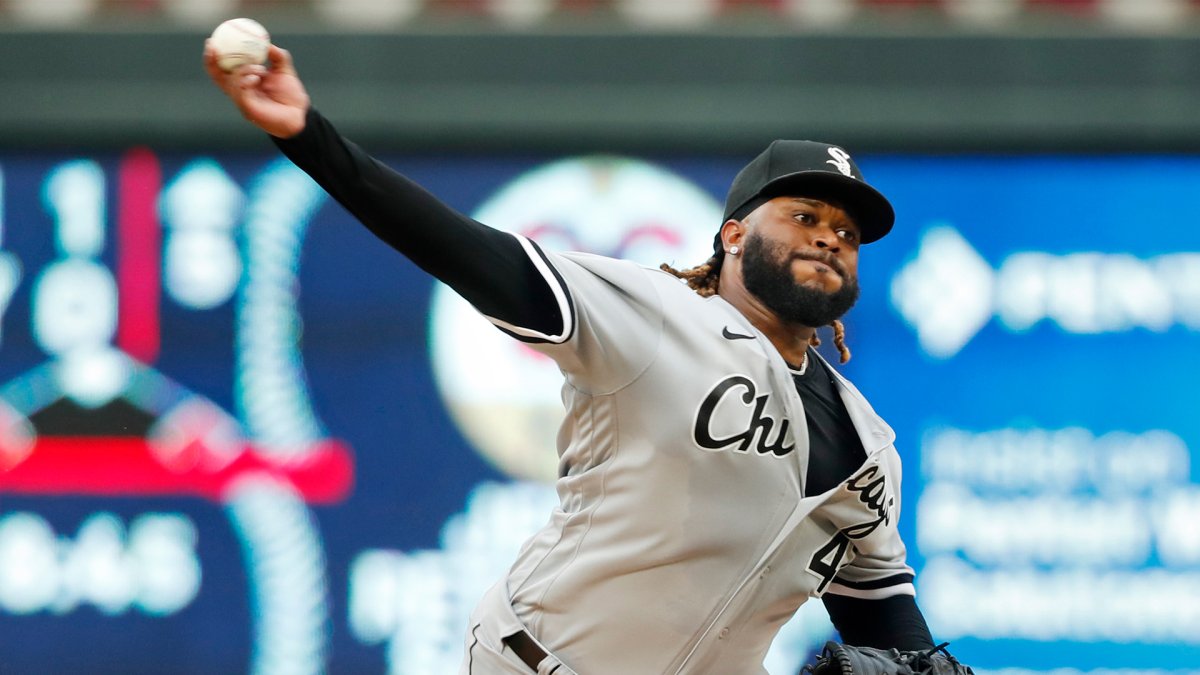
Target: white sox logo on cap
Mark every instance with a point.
(810, 169)
(841, 161)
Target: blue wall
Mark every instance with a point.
(1029, 329)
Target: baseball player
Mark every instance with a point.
(715, 472)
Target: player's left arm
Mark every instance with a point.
(872, 599)
(881, 635)
(889, 622)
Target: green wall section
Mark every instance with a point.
(624, 91)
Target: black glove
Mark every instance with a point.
(840, 659)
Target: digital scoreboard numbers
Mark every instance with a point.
(117, 469)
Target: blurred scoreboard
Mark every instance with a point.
(238, 434)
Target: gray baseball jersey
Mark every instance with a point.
(684, 539)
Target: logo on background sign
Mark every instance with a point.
(505, 397)
(947, 292)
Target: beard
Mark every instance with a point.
(767, 274)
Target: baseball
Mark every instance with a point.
(240, 42)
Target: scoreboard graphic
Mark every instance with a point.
(239, 434)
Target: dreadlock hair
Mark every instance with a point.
(705, 279)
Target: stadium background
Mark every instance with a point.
(239, 435)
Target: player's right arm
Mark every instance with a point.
(493, 270)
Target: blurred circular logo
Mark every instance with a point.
(503, 395)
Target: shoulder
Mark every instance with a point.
(630, 277)
(605, 265)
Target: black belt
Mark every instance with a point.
(526, 649)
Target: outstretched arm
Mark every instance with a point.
(490, 268)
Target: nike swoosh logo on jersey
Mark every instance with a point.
(730, 335)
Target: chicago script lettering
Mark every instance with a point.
(758, 426)
(872, 492)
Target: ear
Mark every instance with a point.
(732, 232)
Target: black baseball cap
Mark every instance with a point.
(808, 169)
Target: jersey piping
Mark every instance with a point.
(904, 589)
(561, 296)
(899, 584)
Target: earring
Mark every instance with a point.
(733, 250)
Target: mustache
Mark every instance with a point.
(823, 257)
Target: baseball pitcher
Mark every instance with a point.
(714, 471)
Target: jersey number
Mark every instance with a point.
(828, 558)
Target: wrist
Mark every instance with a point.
(291, 125)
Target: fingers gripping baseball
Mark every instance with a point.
(270, 96)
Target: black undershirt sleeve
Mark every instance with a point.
(489, 268)
(885, 623)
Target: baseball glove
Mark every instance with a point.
(840, 659)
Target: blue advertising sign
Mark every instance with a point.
(239, 434)
(1031, 332)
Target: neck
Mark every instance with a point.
(791, 343)
(791, 340)
(802, 366)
